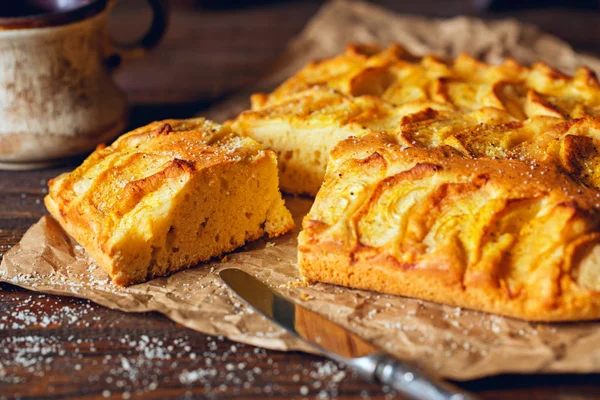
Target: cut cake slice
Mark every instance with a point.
(167, 196)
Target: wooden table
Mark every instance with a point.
(58, 347)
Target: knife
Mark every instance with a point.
(338, 343)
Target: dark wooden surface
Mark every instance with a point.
(56, 347)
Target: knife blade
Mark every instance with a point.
(338, 343)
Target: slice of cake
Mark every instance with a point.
(502, 236)
(169, 195)
(423, 101)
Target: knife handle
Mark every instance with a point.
(414, 383)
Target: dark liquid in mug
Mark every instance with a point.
(27, 8)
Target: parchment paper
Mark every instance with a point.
(455, 343)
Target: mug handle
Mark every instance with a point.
(160, 18)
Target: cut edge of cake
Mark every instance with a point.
(185, 211)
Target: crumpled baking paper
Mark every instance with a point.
(452, 342)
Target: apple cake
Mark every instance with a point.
(505, 236)
(167, 196)
(424, 102)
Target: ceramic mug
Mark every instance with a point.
(57, 97)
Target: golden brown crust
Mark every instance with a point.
(490, 234)
(369, 89)
(132, 205)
